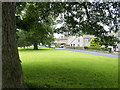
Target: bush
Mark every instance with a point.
(85, 47)
(95, 42)
(105, 49)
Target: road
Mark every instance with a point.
(92, 52)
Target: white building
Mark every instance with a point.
(82, 41)
(74, 41)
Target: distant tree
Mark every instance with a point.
(95, 42)
(41, 34)
(37, 21)
(110, 41)
(33, 37)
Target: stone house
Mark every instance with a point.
(82, 41)
(75, 41)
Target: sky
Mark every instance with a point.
(59, 25)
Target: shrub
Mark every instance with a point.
(99, 48)
(85, 47)
(95, 42)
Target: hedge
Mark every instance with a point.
(98, 48)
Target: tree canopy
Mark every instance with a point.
(95, 42)
(37, 21)
(77, 18)
(22, 40)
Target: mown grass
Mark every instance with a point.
(51, 68)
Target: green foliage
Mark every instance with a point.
(85, 47)
(27, 38)
(37, 22)
(95, 42)
(41, 34)
(21, 39)
(96, 14)
(98, 48)
(78, 17)
(109, 41)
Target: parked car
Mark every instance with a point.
(61, 46)
(46, 45)
(52, 46)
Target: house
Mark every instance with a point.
(82, 41)
(74, 41)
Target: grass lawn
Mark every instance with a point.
(53, 68)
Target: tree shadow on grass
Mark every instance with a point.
(31, 85)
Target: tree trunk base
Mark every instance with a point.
(35, 47)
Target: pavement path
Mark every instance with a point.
(92, 52)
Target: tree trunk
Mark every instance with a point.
(35, 46)
(11, 66)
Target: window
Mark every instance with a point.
(86, 39)
(73, 44)
(78, 40)
(89, 39)
(78, 45)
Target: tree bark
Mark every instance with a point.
(11, 66)
(35, 46)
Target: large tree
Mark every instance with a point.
(11, 64)
(37, 21)
(42, 34)
(90, 18)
